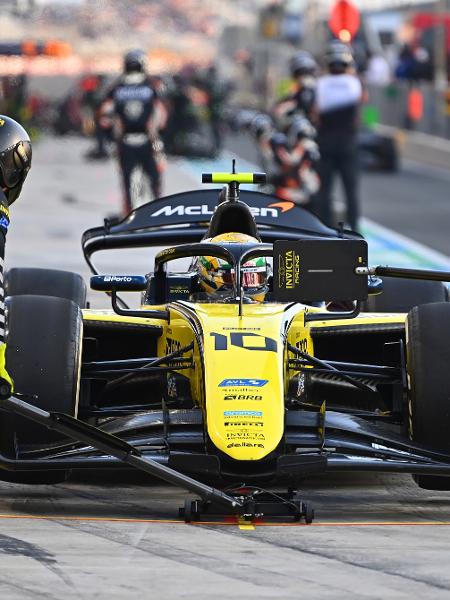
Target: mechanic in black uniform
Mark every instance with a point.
(216, 96)
(137, 116)
(15, 162)
(338, 98)
(300, 102)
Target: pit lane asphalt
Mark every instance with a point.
(114, 536)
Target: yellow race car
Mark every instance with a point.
(276, 353)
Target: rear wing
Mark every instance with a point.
(184, 218)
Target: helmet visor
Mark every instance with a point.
(250, 278)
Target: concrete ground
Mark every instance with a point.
(374, 537)
(117, 536)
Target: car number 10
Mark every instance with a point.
(247, 341)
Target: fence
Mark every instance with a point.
(394, 106)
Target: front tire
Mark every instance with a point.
(43, 357)
(46, 282)
(428, 359)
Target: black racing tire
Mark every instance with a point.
(401, 295)
(43, 357)
(428, 357)
(309, 513)
(46, 282)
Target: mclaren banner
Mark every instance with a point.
(198, 207)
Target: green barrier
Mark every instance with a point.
(233, 177)
(370, 116)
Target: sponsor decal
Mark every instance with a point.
(179, 290)
(302, 345)
(301, 387)
(284, 206)
(203, 209)
(244, 445)
(242, 397)
(241, 328)
(243, 382)
(288, 270)
(167, 251)
(172, 387)
(4, 222)
(172, 345)
(256, 414)
(135, 92)
(117, 279)
(244, 424)
(245, 435)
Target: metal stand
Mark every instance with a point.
(252, 504)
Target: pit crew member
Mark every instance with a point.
(15, 162)
(137, 115)
(338, 98)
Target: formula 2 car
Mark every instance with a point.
(377, 151)
(229, 397)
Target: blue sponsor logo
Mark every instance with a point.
(243, 413)
(4, 222)
(243, 382)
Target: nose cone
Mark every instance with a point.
(244, 381)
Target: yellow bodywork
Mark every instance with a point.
(240, 374)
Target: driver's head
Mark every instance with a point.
(15, 157)
(302, 64)
(134, 61)
(217, 276)
(339, 58)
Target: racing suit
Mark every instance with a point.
(301, 101)
(338, 98)
(138, 115)
(294, 175)
(6, 384)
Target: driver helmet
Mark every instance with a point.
(302, 63)
(15, 157)
(339, 57)
(134, 61)
(217, 276)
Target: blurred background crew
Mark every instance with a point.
(216, 95)
(93, 87)
(181, 119)
(15, 162)
(338, 99)
(295, 157)
(289, 156)
(137, 115)
(300, 101)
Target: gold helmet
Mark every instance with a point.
(217, 276)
